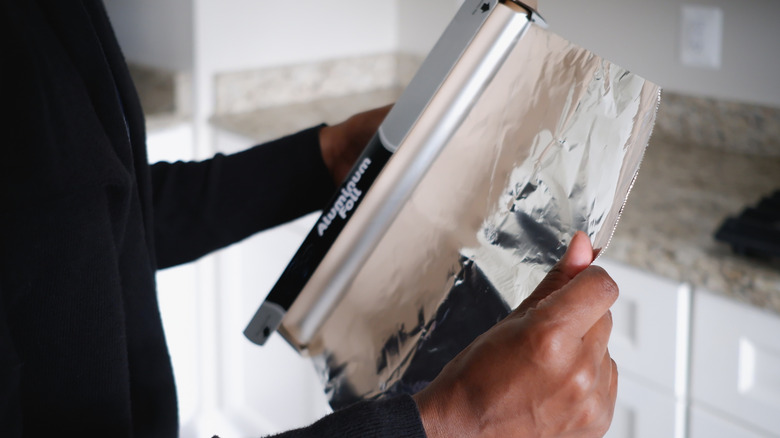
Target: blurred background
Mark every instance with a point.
(695, 325)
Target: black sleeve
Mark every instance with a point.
(10, 404)
(203, 206)
(391, 418)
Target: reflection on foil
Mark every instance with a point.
(552, 146)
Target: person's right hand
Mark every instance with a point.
(544, 371)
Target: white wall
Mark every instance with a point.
(235, 35)
(157, 33)
(248, 34)
(638, 34)
(644, 36)
(420, 23)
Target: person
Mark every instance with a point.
(543, 371)
(85, 222)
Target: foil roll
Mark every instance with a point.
(551, 146)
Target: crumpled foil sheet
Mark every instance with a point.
(552, 146)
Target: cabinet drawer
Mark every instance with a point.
(736, 361)
(643, 412)
(706, 424)
(271, 388)
(650, 332)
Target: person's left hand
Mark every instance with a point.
(343, 143)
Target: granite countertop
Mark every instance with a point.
(163, 96)
(682, 195)
(269, 123)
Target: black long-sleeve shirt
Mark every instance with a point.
(85, 222)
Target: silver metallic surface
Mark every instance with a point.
(551, 146)
(466, 81)
(268, 315)
(433, 71)
(437, 66)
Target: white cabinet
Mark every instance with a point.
(663, 333)
(266, 389)
(706, 424)
(649, 343)
(642, 412)
(178, 287)
(227, 385)
(736, 362)
(650, 318)
(697, 364)
(171, 143)
(271, 388)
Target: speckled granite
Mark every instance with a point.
(156, 89)
(682, 195)
(707, 160)
(263, 88)
(269, 123)
(164, 95)
(734, 126)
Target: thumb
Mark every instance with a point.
(578, 256)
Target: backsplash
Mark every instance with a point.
(732, 126)
(162, 92)
(263, 88)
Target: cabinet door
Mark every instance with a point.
(706, 424)
(178, 289)
(736, 361)
(650, 332)
(643, 412)
(269, 388)
(170, 144)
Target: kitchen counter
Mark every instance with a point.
(682, 195)
(269, 123)
(163, 95)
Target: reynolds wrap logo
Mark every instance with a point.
(347, 199)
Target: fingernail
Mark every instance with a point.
(580, 251)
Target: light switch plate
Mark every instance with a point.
(701, 36)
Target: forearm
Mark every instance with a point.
(203, 206)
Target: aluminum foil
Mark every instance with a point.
(552, 146)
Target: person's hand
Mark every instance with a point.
(343, 143)
(543, 371)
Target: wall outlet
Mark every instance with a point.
(701, 36)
